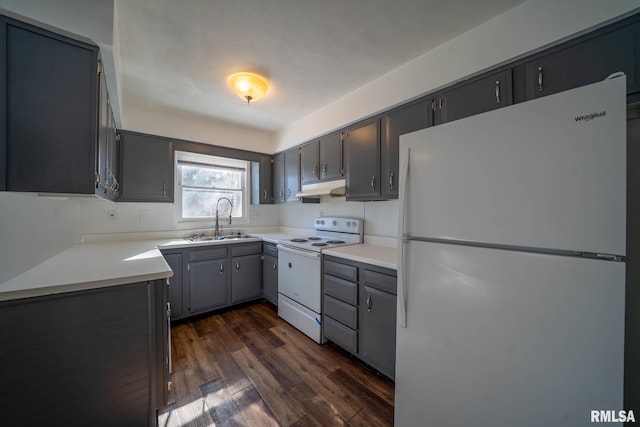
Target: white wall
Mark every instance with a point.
(520, 30)
(33, 229)
(194, 128)
(380, 218)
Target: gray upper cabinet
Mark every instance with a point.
(146, 170)
(309, 162)
(50, 92)
(261, 181)
(107, 160)
(279, 183)
(408, 118)
(362, 158)
(478, 96)
(586, 62)
(292, 174)
(330, 160)
(321, 160)
(207, 279)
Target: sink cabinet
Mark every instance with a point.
(207, 279)
(246, 272)
(211, 277)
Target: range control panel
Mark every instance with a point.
(339, 225)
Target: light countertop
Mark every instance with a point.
(89, 266)
(111, 263)
(382, 256)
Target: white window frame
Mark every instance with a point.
(208, 160)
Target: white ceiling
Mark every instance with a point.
(177, 55)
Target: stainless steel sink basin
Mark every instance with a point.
(225, 237)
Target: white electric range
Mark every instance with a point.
(300, 271)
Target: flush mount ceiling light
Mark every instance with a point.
(248, 86)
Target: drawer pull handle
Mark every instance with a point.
(237, 267)
(540, 79)
(498, 91)
(369, 302)
(221, 268)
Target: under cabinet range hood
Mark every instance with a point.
(335, 188)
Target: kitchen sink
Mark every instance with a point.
(203, 238)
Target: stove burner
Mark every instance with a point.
(335, 242)
(298, 240)
(319, 244)
(314, 238)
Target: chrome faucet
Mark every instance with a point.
(216, 232)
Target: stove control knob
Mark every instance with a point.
(322, 221)
(335, 222)
(348, 223)
(354, 224)
(317, 221)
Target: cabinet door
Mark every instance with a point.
(377, 332)
(246, 278)
(292, 174)
(175, 284)
(309, 165)
(102, 161)
(407, 119)
(479, 96)
(51, 113)
(362, 149)
(270, 278)
(278, 178)
(146, 173)
(587, 62)
(331, 156)
(207, 285)
(261, 188)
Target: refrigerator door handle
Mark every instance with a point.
(402, 300)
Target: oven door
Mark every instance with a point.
(299, 276)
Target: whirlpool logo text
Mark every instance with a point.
(589, 117)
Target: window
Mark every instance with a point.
(203, 180)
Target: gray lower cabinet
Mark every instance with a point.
(97, 357)
(212, 277)
(377, 304)
(175, 261)
(246, 278)
(207, 279)
(359, 311)
(270, 272)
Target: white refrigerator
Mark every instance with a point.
(511, 274)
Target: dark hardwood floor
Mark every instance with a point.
(247, 367)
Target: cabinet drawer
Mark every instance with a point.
(250, 249)
(269, 249)
(340, 311)
(344, 271)
(204, 254)
(345, 337)
(341, 289)
(383, 282)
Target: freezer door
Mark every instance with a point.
(498, 337)
(548, 173)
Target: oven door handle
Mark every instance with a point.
(303, 252)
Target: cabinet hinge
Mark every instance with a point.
(433, 105)
(100, 68)
(118, 137)
(169, 386)
(97, 178)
